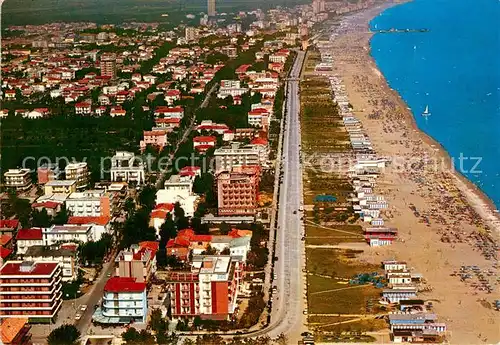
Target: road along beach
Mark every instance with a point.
(444, 221)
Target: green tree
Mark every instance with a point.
(224, 228)
(41, 219)
(62, 216)
(180, 217)
(167, 231)
(147, 197)
(64, 335)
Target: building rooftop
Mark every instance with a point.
(10, 328)
(45, 251)
(16, 268)
(29, 234)
(60, 183)
(124, 284)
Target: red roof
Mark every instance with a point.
(88, 220)
(164, 206)
(4, 252)
(173, 93)
(258, 141)
(188, 232)
(29, 234)
(154, 133)
(163, 109)
(178, 242)
(9, 223)
(46, 204)
(5, 239)
(122, 284)
(153, 245)
(258, 111)
(172, 120)
(189, 171)
(201, 238)
(203, 147)
(243, 68)
(159, 214)
(39, 268)
(204, 138)
(82, 105)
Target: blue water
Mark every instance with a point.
(455, 69)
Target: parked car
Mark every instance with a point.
(83, 307)
(78, 317)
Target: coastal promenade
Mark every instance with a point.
(444, 221)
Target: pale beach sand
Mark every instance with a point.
(464, 226)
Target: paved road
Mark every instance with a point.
(187, 132)
(289, 303)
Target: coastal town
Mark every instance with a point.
(236, 178)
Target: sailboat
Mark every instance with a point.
(426, 111)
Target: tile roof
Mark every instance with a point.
(88, 220)
(11, 327)
(4, 252)
(39, 268)
(5, 239)
(9, 223)
(29, 234)
(124, 284)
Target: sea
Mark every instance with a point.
(453, 68)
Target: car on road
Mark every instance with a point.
(83, 307)
(294, 212)
(78, 317)
(108, 275)
(303, 238)
(305, 311)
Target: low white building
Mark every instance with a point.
(179, 189)
(67, 259)
(125, 166)
(69, 233)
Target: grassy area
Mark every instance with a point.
(324, 141)
(316, 235)
(339, 263)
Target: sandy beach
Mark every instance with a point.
(444, 221)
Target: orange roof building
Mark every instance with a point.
(15, 331)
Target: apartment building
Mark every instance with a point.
(139, 261)
(108, 66)
(169, 112)
(124, 301)
(258, 117)
(238, 191)
(179, 189)
(30, 289)
(127, 168)
(78, 171)
(48, 172)
(156, 138)
(91, 203)
(18, 179)
(209, 290)
(61, 187)
(67, 259)
(26, 238)
(235, 155)
(69, 232)
(231, 88)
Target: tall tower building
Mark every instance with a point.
(211, 8)
(108, 66)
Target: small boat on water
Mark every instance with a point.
(426, 111)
